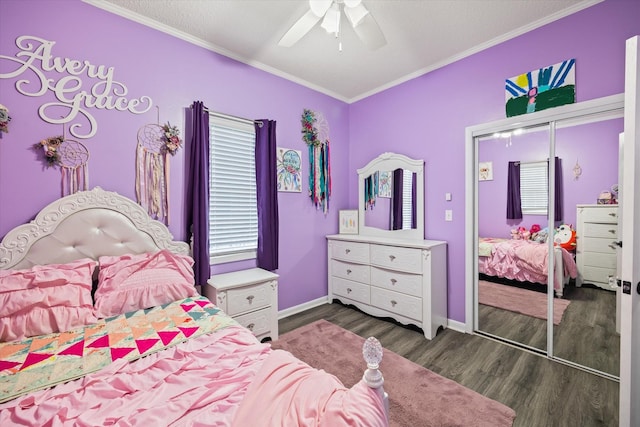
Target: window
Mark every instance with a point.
(233, 216)
(534, 187)
(407, 199)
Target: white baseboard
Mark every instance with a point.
(302, 307)
(457, 326)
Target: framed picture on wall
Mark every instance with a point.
(348, 222)
(486, 171)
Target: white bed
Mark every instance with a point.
(131, 387)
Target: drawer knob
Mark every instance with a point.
(250, 326)
(612, 214)
(348, 271)
(346, 251)
(394, 281)
(392, 257)
(612, 231)
(393, 303)
(349, 290)
(250, 299)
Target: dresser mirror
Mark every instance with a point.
(574, 319)
(391, 202)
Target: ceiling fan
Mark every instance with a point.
(364, 25)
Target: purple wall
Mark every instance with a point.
(426, 117)
(594, 146)
(173, 73)
(423, 118)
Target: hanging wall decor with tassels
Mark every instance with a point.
(155, 143)
(72, 158)
(315, 133)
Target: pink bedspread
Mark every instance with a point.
(288, 392)
(176, 386)
(522, 260)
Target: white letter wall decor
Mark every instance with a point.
(107, 94)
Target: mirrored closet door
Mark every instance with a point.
(511, 305)
(542, 255)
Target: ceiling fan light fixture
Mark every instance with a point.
(331, 21)
(356, 13)
(352, 3)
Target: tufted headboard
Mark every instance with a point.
(87, 224)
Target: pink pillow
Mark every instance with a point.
(45, 299)
(133, 282)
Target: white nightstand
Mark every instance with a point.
(250, 297)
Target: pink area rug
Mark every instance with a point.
(417, 396)
(523, 301)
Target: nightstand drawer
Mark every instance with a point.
(597, 244)
(248, 298)
(592, 229)
(258, 322)
(356, 272)
(606, 214)
(597, 259)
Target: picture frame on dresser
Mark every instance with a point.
(348, 221)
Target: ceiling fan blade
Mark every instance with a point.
(299, 29)
(320, 7)
(370, 33)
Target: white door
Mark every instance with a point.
(630, 298)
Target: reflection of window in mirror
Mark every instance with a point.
(534, 187)
(407, 199)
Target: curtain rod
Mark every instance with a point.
(230, 117)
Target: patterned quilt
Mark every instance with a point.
(44, 361)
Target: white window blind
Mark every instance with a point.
(407, 198)
(534, 187)
(233, 216)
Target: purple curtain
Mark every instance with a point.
(558, 190)
(414, 189)
(267, 194)
(396, 202)
(197, 199)
(514, 203)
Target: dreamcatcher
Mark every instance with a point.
(315, 133)
(155, 143)
(72, 158)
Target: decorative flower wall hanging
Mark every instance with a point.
(72, 158)
(155, 142)
(4, 120)
(315, 133)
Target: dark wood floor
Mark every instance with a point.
(586, 335)
(541, 391)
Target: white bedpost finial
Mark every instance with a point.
(372, 353)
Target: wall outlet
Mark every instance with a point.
(448, 215)
(447, 197)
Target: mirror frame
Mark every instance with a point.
(390, 162)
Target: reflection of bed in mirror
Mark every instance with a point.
(524, 261)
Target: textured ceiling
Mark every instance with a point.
(422, 35)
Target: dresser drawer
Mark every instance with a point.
(345, 270)
(248, 298)
(350, 251)
(596, 259)
(406, 283)
(257, 322)
(597, 244)
(398, 303)
(596, 274)
(605, 214)
(592, 229)
(352, 290)
(397, 258)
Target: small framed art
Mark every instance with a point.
(348, 222)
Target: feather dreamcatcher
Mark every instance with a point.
(72, 158)
(155, 143)
(315, 133)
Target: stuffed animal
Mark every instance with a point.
(565, 237)
(541, 235)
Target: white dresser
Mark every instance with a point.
(250, 297)
(389, 277)
(596, 251)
